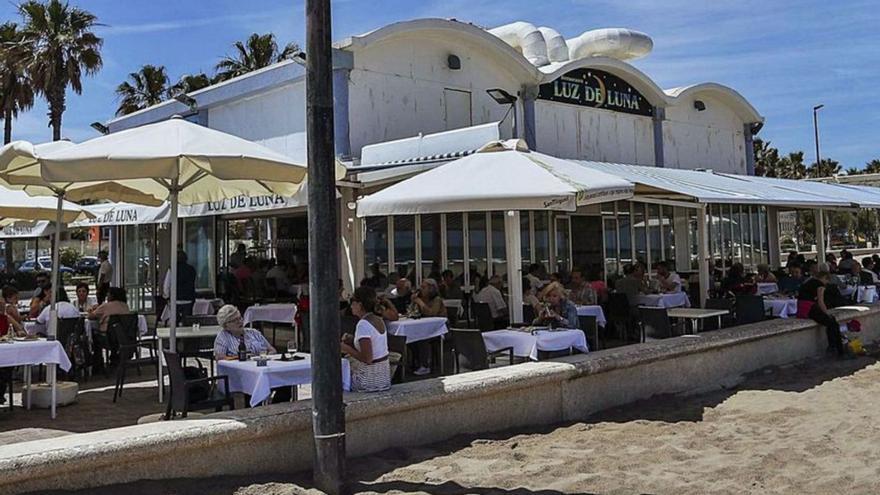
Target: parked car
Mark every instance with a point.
(46, 263)
(87, 265)
(31, 266)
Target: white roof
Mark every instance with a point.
(710, 187)
(500, 176)
(851, 195)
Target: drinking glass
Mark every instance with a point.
(291, 347)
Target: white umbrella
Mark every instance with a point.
(503, 175)
(18, 205)
(172, 160)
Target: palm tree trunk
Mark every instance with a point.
(56, 106)
(7, 126)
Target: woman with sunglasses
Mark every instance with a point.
(367, 350)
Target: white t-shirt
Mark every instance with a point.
(379, 341)
(675, 280)
(105, 272)
(65, 310)
(492, 296)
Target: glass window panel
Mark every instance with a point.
(499, 246)
(757, 248)
(525, 238)
(431, 251)
(623, 228)
(477, 246)
(612, 263)
(199, 246)
(563, 245)
(455, 244)
(746, 224)
(405, 246)
(376, 244)
(139, 266)
(653, 223)
(542, 238)
(668, 216)
(693, 239)
(765, 240)
(640, 232)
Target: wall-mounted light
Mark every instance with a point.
(187, 100)
(299, 57)
(103, 129)
(453, 62)
(699, 105)
(504, 98)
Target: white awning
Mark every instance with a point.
(852, 195)
(26, 230)
(709, 187)
(500, 176)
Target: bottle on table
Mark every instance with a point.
(242, 349)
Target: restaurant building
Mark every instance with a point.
(413, 95)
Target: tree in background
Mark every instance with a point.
(144, 88)
(16, 92)
(258, 51)
(872, 167)
(189, 83)
(766, 159)
(62, 48)
(825, 168)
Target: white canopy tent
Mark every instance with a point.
(173, 160)
(502, 175)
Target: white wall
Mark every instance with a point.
(570, 131)
(275, 119)
(710, 139)
(397, 88)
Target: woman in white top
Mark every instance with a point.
(368, 348)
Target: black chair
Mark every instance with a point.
(749, 309)
(6, 384)
(191, 394)
(620, 315)
(304, 331)
(726, 320)
(124, 328)
(70, 334)
(528, 314)
(655, 323)
(397, 343)
(483, 315)
(452, 316)
(591, 330)
(469, 344)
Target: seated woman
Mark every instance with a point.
(368, 348)
(82, 297)
(811, 304)
(9, 306)
(558, 312)
(764, 276)
(430, 304)
(231, 336)
(116, 304)
(736, 281)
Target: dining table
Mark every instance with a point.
(781, 307)
(766, 288)
(419, 329)
(527, 342)
(593, 310)
(28, 352)
(258, 381)
(665, 300)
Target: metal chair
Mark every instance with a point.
(183, 398)
(726, 320)
(655, 323)
(620, 315)
(483, 315)
(528, 314)
(749, 309)
(469, 344)
(397, 343)
(125, 330)
(590, 328)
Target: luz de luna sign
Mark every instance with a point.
(597, 89)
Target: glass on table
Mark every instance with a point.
(291, 347)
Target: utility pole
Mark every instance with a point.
(328, 414)
(816, 130)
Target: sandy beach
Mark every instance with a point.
(809, 428)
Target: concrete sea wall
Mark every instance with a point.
(278, 437)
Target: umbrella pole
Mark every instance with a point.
(52, 331)
(174, 240)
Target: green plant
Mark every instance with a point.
(69, 256)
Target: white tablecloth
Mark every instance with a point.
(781, 308)
(33, 327)
(767, 288)
(258, 381)
(201, 307)
(527, 345)
(273, 313)
(22, 352)
(593, 311)
(867, 294)
(671, 300)
(416, 330)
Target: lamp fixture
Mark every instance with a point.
(501, 97)
(187, 100)
(103, 129)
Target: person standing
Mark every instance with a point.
(105, 275)
(186, 286)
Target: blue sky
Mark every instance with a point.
(782, 55)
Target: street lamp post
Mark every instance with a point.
(818, 161)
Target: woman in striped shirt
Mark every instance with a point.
(228, 340)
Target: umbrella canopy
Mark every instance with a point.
(17, 205)
(503, 175)
(205, 164)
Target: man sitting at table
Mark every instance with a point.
(790, 283)
(764, 275)
(64, 308)
(449, 288)
(401, 294)
(669, 281)
(491, 295)
(579, 291)
(233, 333)
(116, 305)
(868, 275)
(558, 312)
(632, 283)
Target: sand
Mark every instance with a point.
(809, 428)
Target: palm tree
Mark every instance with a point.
(62, 47)
(792, 166)
(258, 51)
(189, 83)
(766, 159)
(854, 171)
(872, 167)
(16, 93)
(144, 88)
(825, 168)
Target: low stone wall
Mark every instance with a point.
(278, 438)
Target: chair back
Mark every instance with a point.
(590, 328)
(401, 304)
(656, 322)
(749, 309)
(124, 328)
(470, 349)
(67, 331)
(397, 343)
(177, 397)
(528, 314)
(618, 306)
(452, 316)
(483, 315)
(716, 303)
